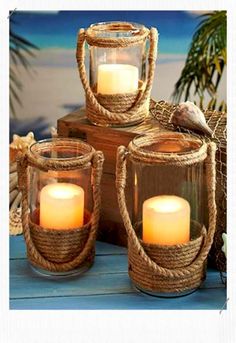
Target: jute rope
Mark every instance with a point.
(120, 42)
(96, 159)
(45, 164)
(217, 121)
(140, 155)
(116, 109)
(135, 243)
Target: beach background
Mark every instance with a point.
(52, 88)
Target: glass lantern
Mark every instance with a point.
(120, 79)
(169, 183)
(59, 201)
(173, 181)
(117, 70)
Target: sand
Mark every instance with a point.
(53, 87)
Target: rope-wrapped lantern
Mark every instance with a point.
(118, 90)
(60, 184)
(168, 243)
(217, 122)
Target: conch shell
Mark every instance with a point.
(189, 116)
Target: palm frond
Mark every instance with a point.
(205, 61)
(20, 51)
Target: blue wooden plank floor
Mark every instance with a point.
(105, 286)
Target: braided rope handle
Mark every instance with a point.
(97, 164)
(144, 93)
(121, 174)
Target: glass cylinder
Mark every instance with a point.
(117, 70)
(60, 201)
(121, 74)
(170, 207)
(58, 188)
(172, 183)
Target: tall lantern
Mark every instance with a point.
(60, 183)
(168, 243)
(119, 85)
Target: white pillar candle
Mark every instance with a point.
(117, 78)
(166, 220)
(61, 206)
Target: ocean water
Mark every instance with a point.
(59, 29)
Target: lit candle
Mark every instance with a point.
(166, 220)
(117, 78)
(61, 206)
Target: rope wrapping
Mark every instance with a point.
(132, 107)
(144, 270)
(87, 233)
(217, 121)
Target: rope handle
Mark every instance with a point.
(143, 94)
(121, 174)
(97, 164)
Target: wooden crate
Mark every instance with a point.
(75, 124)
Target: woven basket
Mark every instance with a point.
(217, 121)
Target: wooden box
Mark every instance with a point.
(75, 124)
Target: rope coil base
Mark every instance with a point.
(174, 257)
(117, 109)
(168, 269)
(121, 104)
(59, 246)
(60, 250)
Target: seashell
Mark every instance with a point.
(15, 224)
(189, 116)
(20, 143)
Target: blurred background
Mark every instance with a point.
(45, 84)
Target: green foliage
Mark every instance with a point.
(205, 61)
(20, 51)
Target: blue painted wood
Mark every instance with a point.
(17, 248)
(105, 285)
(107, 276)
(213, 299)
